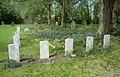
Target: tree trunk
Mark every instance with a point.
(107, 17)
(113, 17)
(100, 30)
(63, 13)
(88, 14)
(49, 12)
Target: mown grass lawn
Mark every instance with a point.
(5, 38)
(96, 63)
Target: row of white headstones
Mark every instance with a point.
(13, 49)
(44, 46)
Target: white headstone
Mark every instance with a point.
(73, 24)
(13, 51)
(16, 39)
(16, 36)
(57, 23)
(106, 41)
(18, 30)
(44, 49)
(2, 23)
(89, 43)
(68, 46)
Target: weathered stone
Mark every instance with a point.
(13, 23)
(2, 22)
(18, 30)
(13, 51)
(35, 25)
(89, 43)
(73, 24)
(16, 36)
(57, 23)
(68, 46)
(16, 39)
(44, 49)
(106, 41)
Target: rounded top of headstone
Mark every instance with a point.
(90, 37)
(44, 42)
(107, 35)
(71, 39)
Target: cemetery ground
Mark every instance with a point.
(98, 62)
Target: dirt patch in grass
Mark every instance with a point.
(52, 58)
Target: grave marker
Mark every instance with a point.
(68, 46)
(106, 41)
(44, 49)
(35, 25)
(18, 30)
(89, 43)
(13, 51)
(16, 39)
(57, 23)
(73, 24)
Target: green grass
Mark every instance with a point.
(96, 63)
(5, 38)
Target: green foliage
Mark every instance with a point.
(30, 11)
(11, 64)
(8, 14)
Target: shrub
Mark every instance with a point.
(11, 64)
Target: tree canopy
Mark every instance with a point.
(62, 11)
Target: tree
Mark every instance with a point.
(48, 4)
(8, 14)
(66, 11)
(107, 17)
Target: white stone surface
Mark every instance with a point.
(89, 43)
(73, 24)
(44, 49)
(57, 23)
(16, 36)
(13, 51)
(18, 30)
(16, 39)
(106, 41)
(68, 46)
